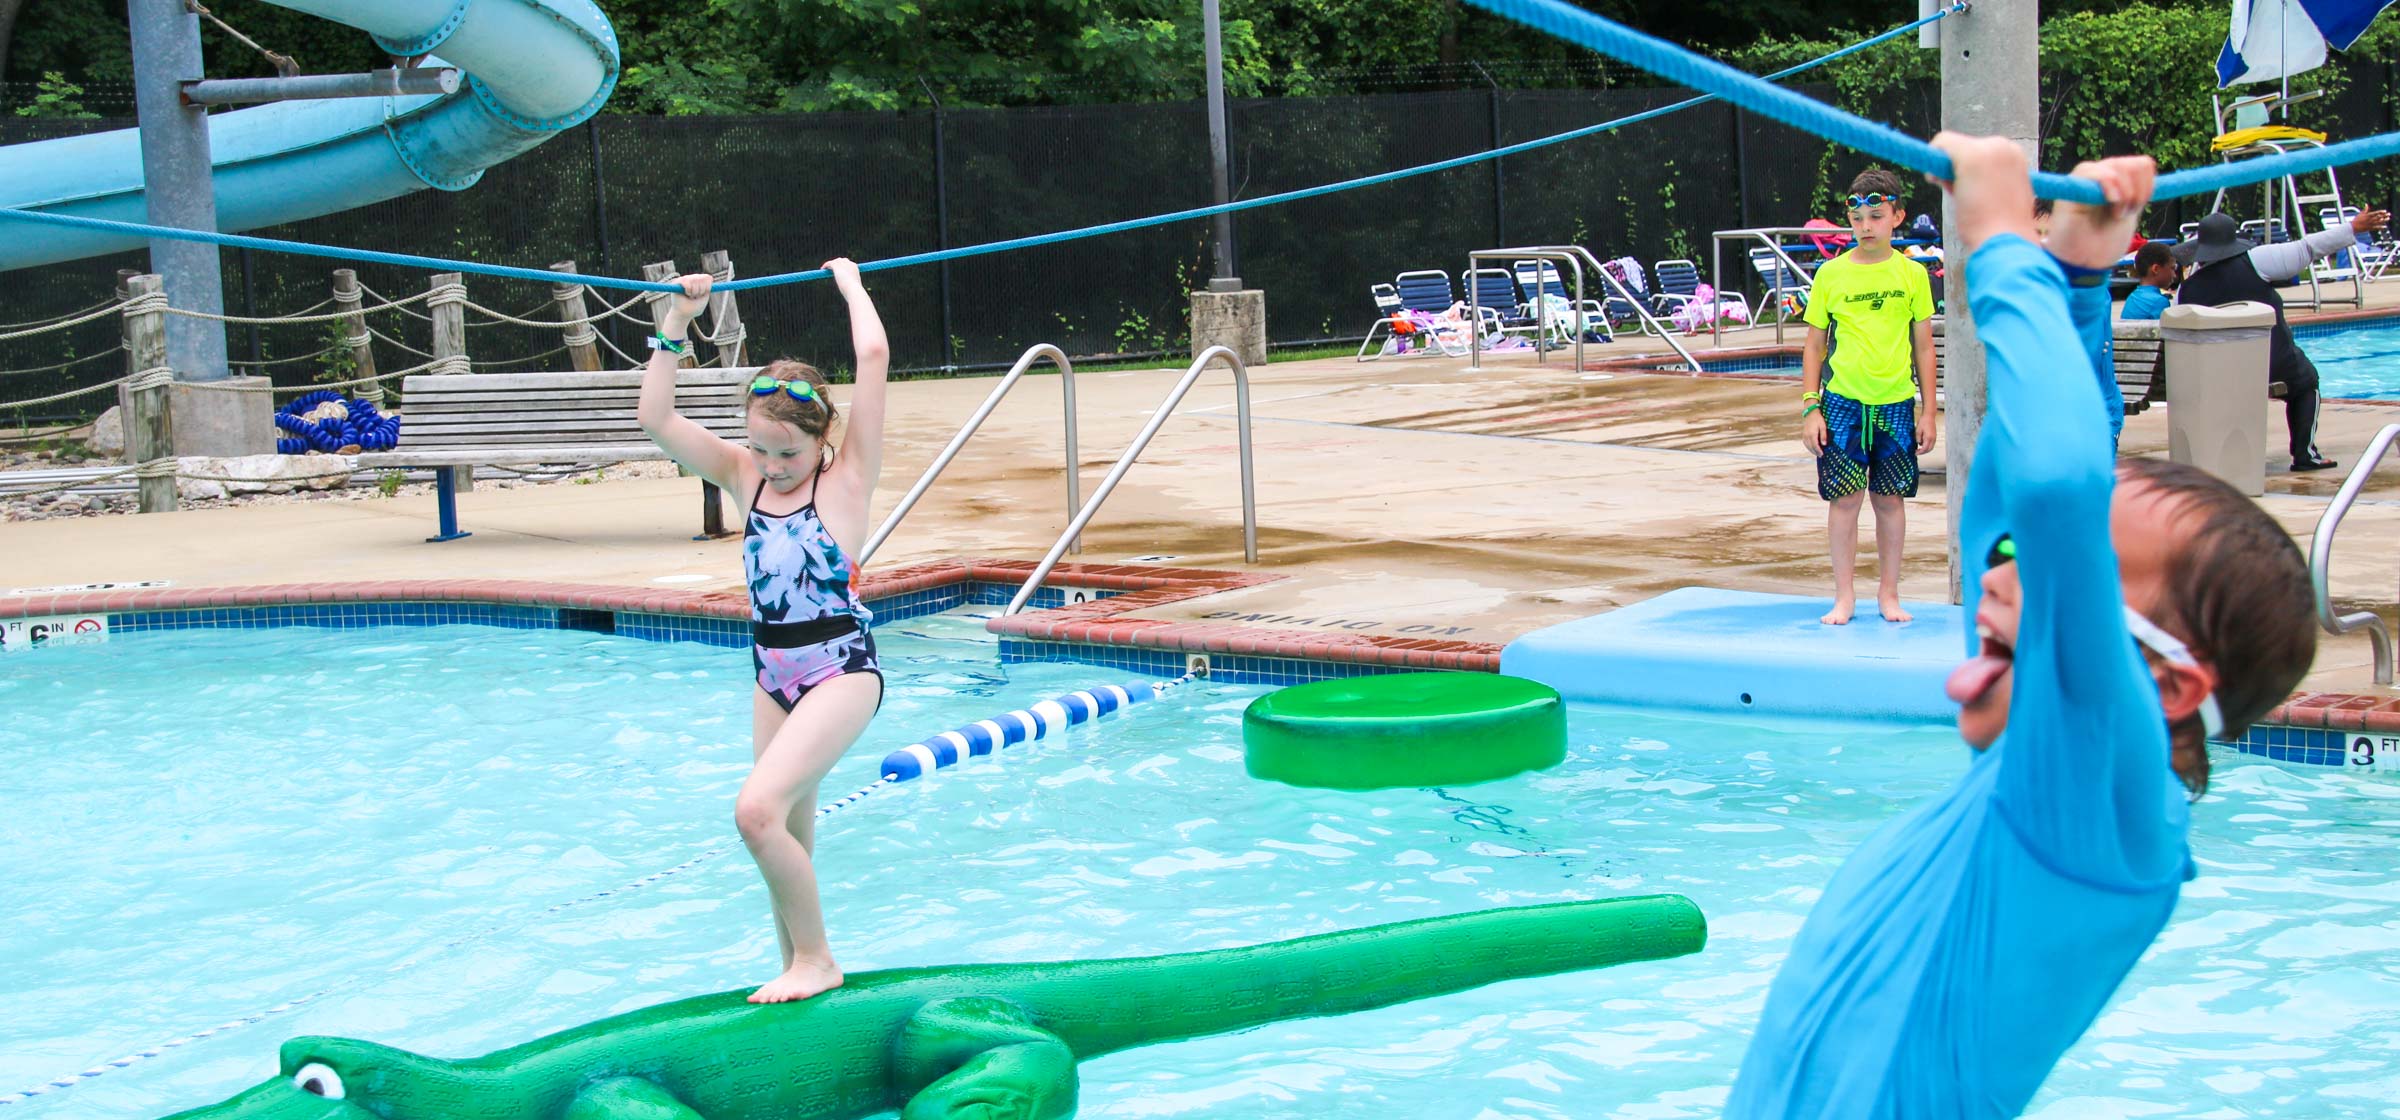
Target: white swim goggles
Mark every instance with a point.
(2147, 634)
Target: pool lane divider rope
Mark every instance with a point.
(438, 264)
(982, 737)
(986, 736)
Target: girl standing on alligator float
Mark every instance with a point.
(804, 506)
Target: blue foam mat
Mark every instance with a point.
(1708, 648)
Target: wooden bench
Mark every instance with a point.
(536, 419)
(2139, 360)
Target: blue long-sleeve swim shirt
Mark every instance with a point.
(1967, 944)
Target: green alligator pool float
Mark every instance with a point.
(971, 1041)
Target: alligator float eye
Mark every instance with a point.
(319, 1078)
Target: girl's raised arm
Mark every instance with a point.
(680, 436)
(862, 444)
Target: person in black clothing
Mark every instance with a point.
(2227, 269)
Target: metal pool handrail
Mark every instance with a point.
(1066, 381)
(1608, 281)
(2320, 559)
(1241, 397)
(1771, 237)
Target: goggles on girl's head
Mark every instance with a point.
(764, 386)
(2146, 634)
(1862, 201)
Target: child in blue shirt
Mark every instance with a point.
(2123, 614)
(2155, 267)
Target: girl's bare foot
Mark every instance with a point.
(1843, 608)
(1892, 610)
(802, 980)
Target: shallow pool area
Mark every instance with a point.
(437, 838)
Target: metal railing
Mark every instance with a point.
(1166, 408)
(2320, 559)
(1579, 257)
(1066, 382)
(1475, 306)
(1771, 237)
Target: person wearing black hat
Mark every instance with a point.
(2227, 269)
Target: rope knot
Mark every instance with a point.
(153, 378)
(147, 303)
(451, 365)
(446, 294)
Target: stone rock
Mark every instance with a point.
(196, 489)
(108, 432)
(266, 474)
(96, 503)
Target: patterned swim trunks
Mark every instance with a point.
(1868, 447)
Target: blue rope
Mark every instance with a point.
(438, 264)
(1683, 67)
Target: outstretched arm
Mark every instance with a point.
(862, 443)
(2083, 768)
(2286, 259)
(678, 435)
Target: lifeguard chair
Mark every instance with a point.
(2288, 209)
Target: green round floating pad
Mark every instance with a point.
(1404, 729)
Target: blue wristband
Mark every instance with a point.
(2081, 277)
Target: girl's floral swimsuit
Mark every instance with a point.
(806, 623)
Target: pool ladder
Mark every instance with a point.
(2320, 559)
(1108, 485)
(1025, 361)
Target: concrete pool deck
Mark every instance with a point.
(1404, 499)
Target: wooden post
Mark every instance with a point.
(712, 511)
(450, 347)
(664, 272)
(347, 296)
(124, 291)
(583, 341)
(149, 421)
(724, 315)
(124, 397)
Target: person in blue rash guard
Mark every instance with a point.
(2123, 614)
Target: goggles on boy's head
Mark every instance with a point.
(2146, 634)
(765, 386)
(1878, 198)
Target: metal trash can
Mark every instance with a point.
(2215, 363)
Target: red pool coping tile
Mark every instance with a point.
(1101, 622)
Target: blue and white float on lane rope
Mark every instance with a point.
(984, 736)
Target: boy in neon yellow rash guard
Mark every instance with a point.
(2124, 614)
(1870, 318)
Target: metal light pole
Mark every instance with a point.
(1224, 280)
(176, 183)
(1991, 78)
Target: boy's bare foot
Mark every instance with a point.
(1843, 608)
(802, 980)
(1892, 610)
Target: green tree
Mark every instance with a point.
(55, 96)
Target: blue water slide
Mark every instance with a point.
(533, 69)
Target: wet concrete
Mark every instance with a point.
(1397, 496)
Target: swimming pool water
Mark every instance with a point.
(2356, 362)
(205, 824)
